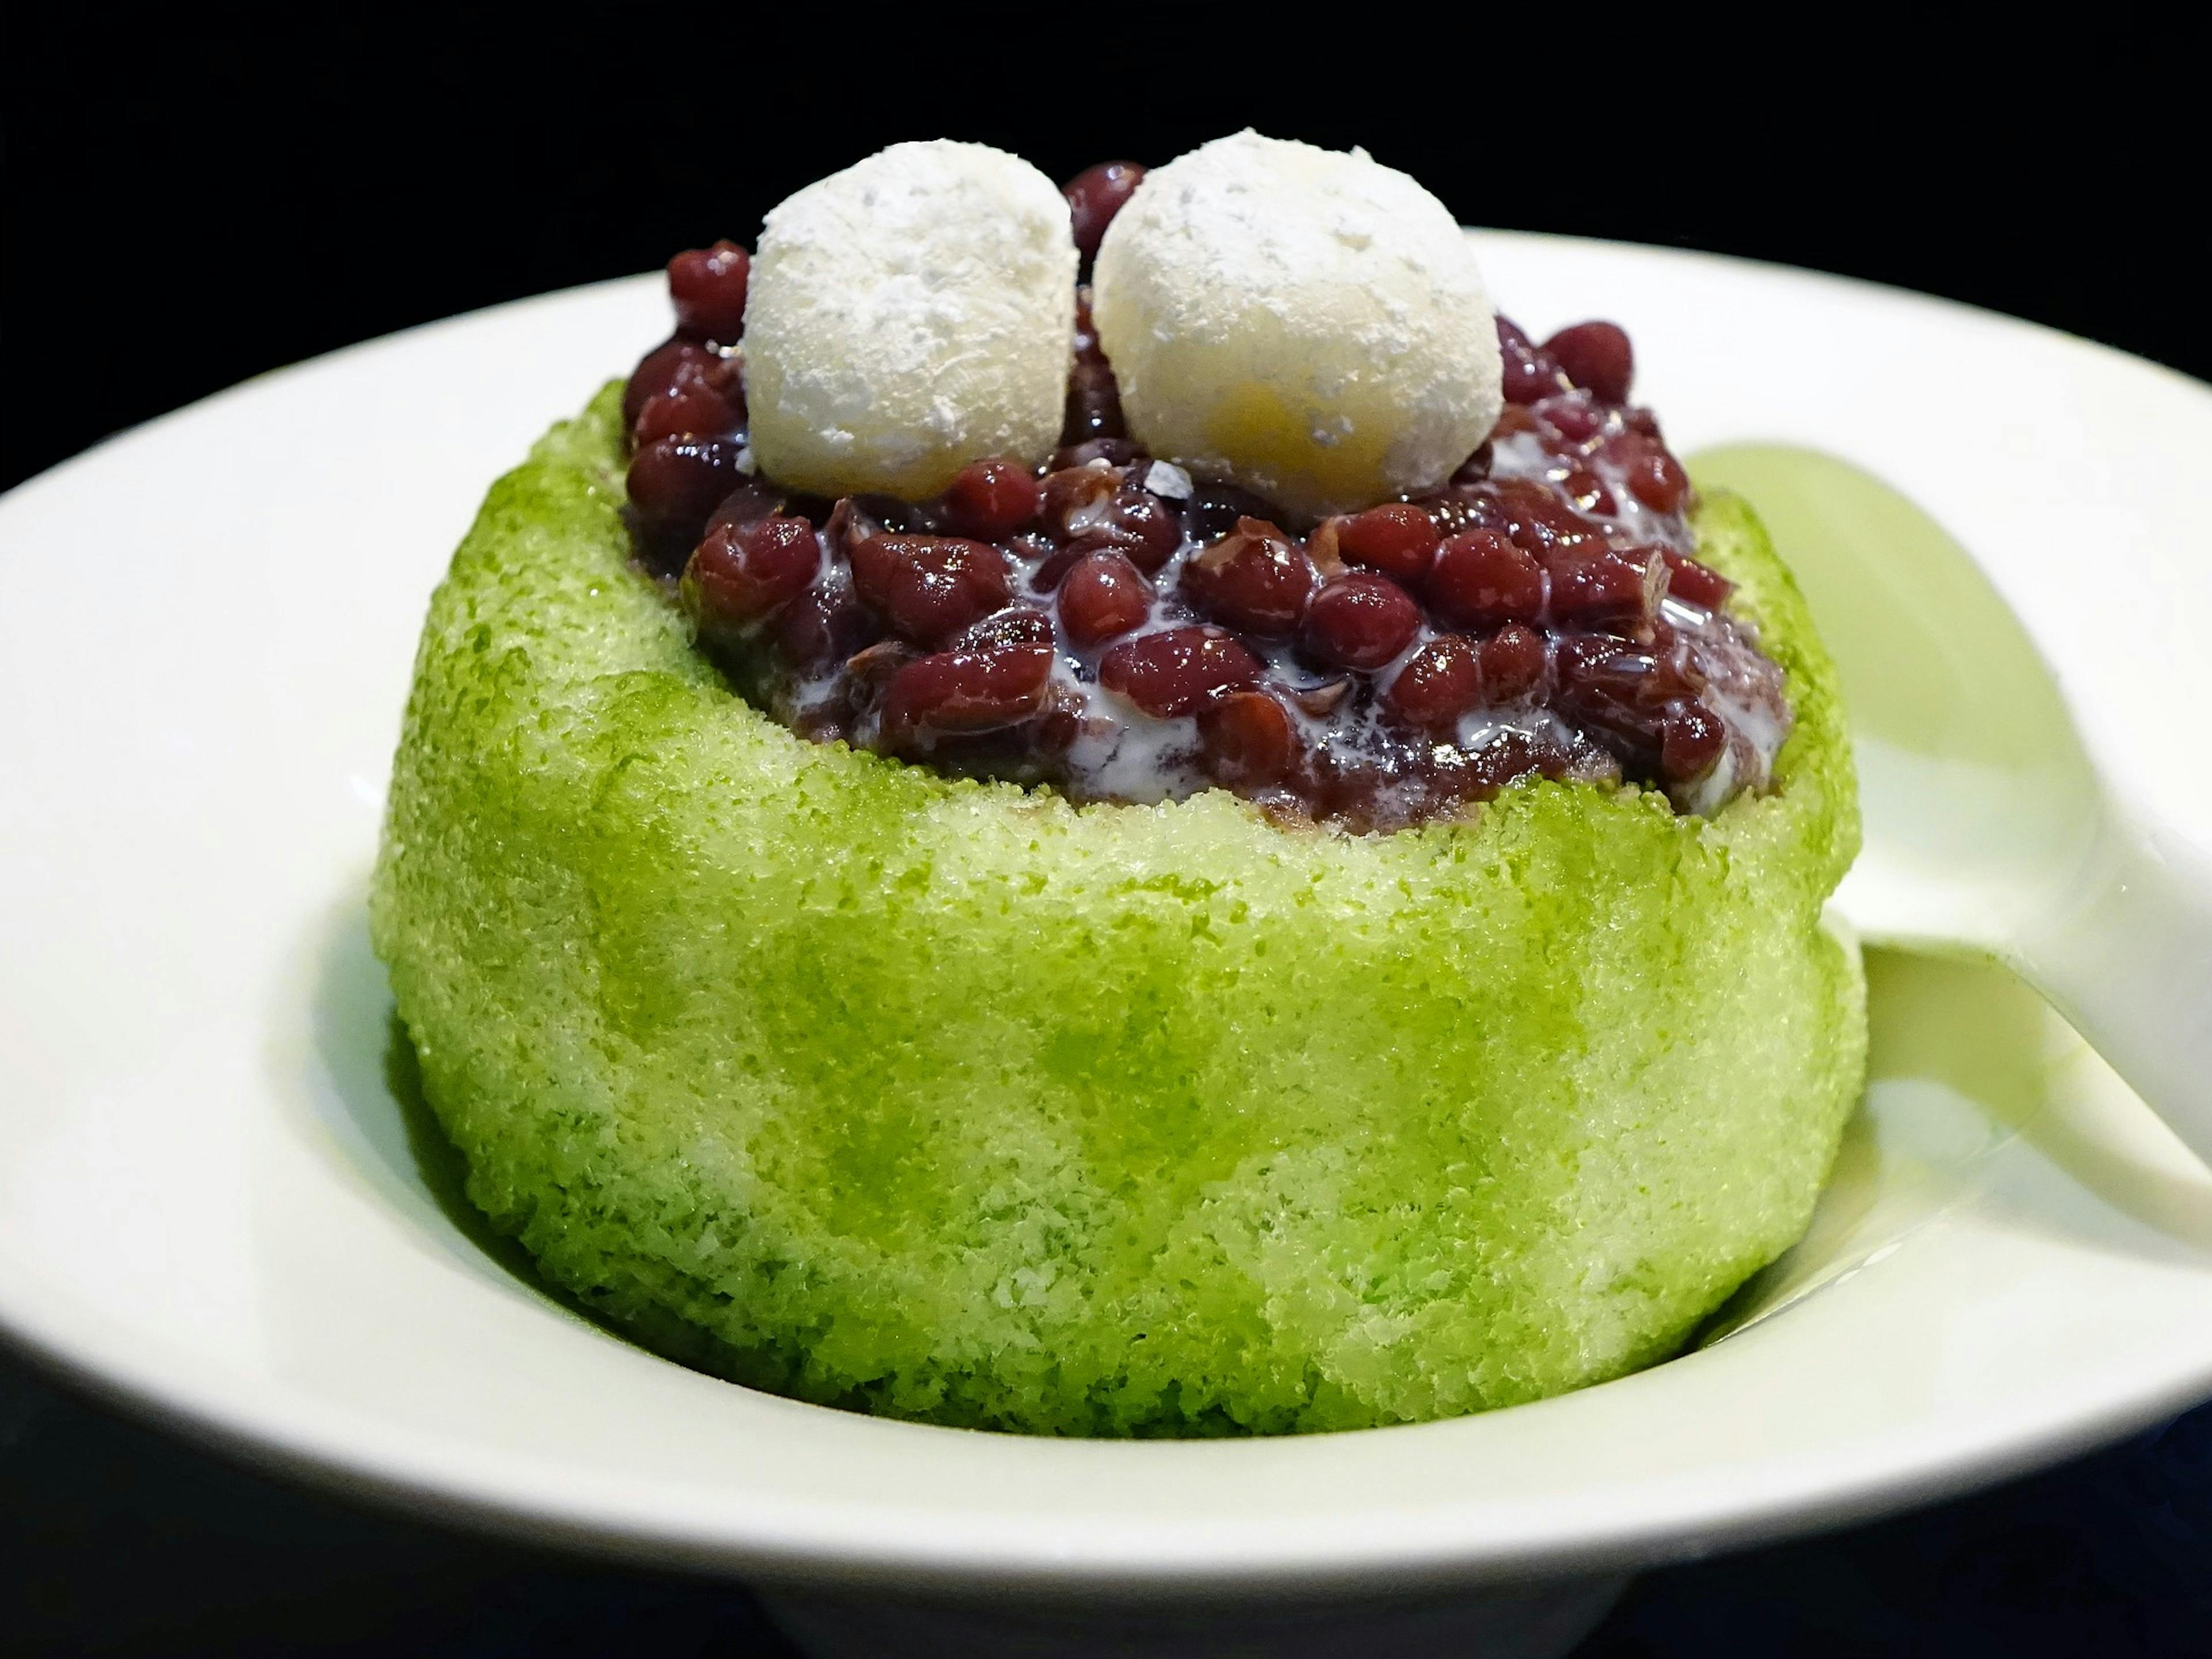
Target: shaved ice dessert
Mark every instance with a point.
(1288, 901)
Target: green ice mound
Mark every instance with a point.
(953, 1102)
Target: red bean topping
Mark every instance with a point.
(1481, 579)
(822, 628)
(1147, 528)
(1361, 621)
(1699, 584)
(707, 286)
(1656, 479)
(680, 366)
(749, 501)
(1095, 195)
(1530, 372)
(1596, 356)
(675, 483)
(1608, 588)
(1439, 682)
(1101, 598)
(1019, 624)
(1171, 674)
(1247, 738)
(1573, 416)
(1514, 588)
(959, 691)
(1691, 741)
(928, 587)
(740, 574)
(1397, 539)
(1512, 663)
(1255, 578)
(991, 500)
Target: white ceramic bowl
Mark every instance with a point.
(211, 1208)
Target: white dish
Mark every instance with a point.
(209, 1206)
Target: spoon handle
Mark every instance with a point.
(2128, 960)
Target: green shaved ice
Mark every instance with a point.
(951, 1101)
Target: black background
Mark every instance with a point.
(182, 208)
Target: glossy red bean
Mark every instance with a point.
(749, 501)
(1605, 589)
(680, 366)
(1142, 525)
(1361, 621)
(707, 286)
(675, 483)
(1691, 740)
(1656, 479)
(1398, 539)
(1095, 195)
(1596, 356)
(739, 574)
(991, 500)
(1530, 372)
(1699, 584)
(929, 588)
(1101, 598)
(1255, 579)
(962, 691)
(692, 411)
(1513, 660)
(1439, 682)
(822, 628)
(1247, 738)
(1572, 414)
(1171, 674)
(1019, 624)
(1481, 579)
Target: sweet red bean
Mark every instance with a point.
(1095, 195)
(1530, 372)
(1573, 416)
(1439, 682)
(1654, 477)
(928, 587)
(1481, 579)
(1398, 539)
(1247, 739)
(822, 628)
(675, 483)
(680, 366)
(1596, 356)
(1148, 529)
(1699, 584)
(1019, 624)
(990, 500)
(749, 501)
(690, 411)
(1101, 598)
(1171, 674)
(1093, 408)
(707, 286)
(1691, 741)
(740, 574)
(1361, 621)
(1255, 578)
(961, 691)
(1605, 589)
(1512, 663)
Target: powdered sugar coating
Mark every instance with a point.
(1303, 322)
(907, 316)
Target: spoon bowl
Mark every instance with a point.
(1987, 828)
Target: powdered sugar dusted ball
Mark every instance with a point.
(907, 316)
(1302, 322)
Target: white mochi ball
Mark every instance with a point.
(1304, 322)
(907, 316)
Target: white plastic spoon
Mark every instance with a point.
(1988, 830)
